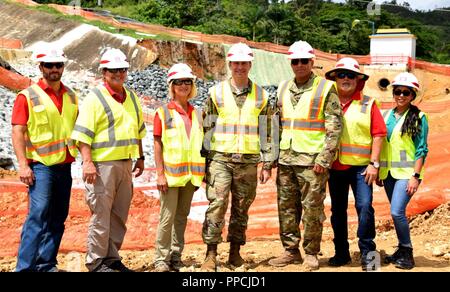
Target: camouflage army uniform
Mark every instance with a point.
(299, 187)
(236, 173)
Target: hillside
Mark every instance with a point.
(326, 25)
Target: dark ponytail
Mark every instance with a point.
(413, 123)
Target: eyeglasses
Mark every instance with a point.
(181, 81)
(349, 75)
(399, 92)
(114, 71)
(51, 65)
(296, 61)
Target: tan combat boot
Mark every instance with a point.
(210, 263)
(290, 256)
(311, 262)
(234, 257)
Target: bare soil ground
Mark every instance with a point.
(430, 235)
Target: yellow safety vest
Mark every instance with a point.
(356, 140)
(304, 124)
(112, 129)
(182, 159)
(48, 131)
(236, 129)
(398, 154)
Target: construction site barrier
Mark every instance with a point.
(13, 81)
(10, 43)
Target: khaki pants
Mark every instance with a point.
(109, 200)
(175, 207)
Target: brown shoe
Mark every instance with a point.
(287, 258)
(234, 257)
(311, 262)
(210, 263)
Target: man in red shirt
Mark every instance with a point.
(357, 164)
(43, 118)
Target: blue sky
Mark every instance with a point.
(419, 4)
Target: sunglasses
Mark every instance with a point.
(349, 75)
(399, 92)
(114, 71)
(296, 61)
(185, 82)
(51, 65)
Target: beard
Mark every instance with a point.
(53, 76)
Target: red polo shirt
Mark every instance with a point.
(20, 112)
(377, 126)
(187, 118)
(118, 96)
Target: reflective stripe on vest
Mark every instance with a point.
(181, 155)
(111, 123)
(237, 129)
(398, 155)
(304, 125)
(48, 129)
(356, 140)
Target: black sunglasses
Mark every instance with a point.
(349, 75)
(180, 81)
(296, 61)
(58, 65)
(121, 70)
(399, 92)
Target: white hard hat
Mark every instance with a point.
(48, 54)
(406, 79)
(114, 59)
(301, 50)
(240, 52)
(180, 71)
(348, 64)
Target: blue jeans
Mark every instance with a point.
(339, 184)
(43, 229)
(399, 199)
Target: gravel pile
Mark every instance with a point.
(152, 82)
(6, 152)
(149, 82)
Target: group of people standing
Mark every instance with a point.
(318, 130)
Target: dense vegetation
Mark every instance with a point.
(326, 25)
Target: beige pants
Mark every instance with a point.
(175, 207)
(109, 200)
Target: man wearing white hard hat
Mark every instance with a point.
(178, 139)
(402, 161)
(236, 141)
(357, 164)
(309, 135)
(109, 131)
(43, 118)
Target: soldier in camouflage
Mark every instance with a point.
(311, 119)
(236, 141)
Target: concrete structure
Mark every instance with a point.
(392, 46)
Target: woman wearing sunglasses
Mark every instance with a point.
(357, 164)
(402, 159)
(178, 136)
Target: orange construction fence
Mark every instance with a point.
(10, 43)
(13, 81)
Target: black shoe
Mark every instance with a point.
(405, 260)
(120, 267)
(338, 261)
(392, 258)
(103, 268)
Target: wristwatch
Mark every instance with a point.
(142, 158)
(375, 164)
(416, 175)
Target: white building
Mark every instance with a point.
(392, 46)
